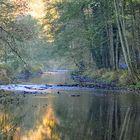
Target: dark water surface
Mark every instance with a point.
(94, 115)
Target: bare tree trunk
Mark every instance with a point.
(112, 50)
(117, 51)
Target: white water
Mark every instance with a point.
(50, 81)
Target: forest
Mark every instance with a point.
(69, 69)
(95, 37)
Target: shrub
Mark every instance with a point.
(125, 78)
(5, 74)
(138, 85)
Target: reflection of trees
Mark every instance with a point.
(103, 119)
(131, 121)
(9, 119)
(12, 121)
(8, 126)
(111, 117)
(44, 129)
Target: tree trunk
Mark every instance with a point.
(124, 43)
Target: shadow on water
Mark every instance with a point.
(99, 115)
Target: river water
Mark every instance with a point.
(56, 113)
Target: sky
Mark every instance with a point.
(36, 8)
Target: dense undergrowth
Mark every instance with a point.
(119, 77)
(5, 74)
(9, 75)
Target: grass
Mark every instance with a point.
(119, 77)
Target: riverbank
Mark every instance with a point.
(84, 81)
(106, 79)
(8, 75)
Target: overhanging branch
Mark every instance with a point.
(10, 45)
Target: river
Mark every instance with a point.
(42, 112)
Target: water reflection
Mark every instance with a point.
(5, 123)
(110, 117)
(9, 117)
(94, 115)
(63, 117)
(44, 129)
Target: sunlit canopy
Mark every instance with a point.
(36, 8)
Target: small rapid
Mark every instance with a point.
(39, 87)
(60, 80)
